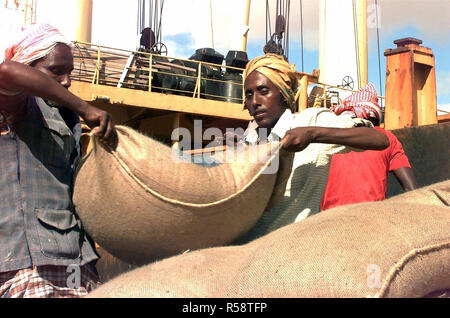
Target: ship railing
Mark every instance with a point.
(103, 65)
(327, 96)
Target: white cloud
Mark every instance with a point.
(443, 84)
(8, 28)
(443, 109)
(430, 17)
(114, 21)
(310, 21)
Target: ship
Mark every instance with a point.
(155, 94)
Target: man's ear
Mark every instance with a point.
(283, 101)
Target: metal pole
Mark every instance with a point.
(84, 27)
(212, 27)
(150, 73)
(246, 23)
(361, 18)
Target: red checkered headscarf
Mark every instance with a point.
(363, 104)
(34, 42)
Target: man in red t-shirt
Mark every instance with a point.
(362, 176)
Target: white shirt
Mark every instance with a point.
(309, 176)
(284, 123)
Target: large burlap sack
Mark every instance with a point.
(382, 249)
(435, 194)
(140, 204)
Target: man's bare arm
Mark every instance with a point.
(365, 138)
(405, 177)
(30, 81)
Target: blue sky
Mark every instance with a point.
(186, 26)
(441, 50)
(426, 20)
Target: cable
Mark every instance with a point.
(379, 58)
(150, 18)
(268, 17)
(355, 31)
(138, 20)
(288, 13)
(212, 25)
(159, 38)
(301, 32)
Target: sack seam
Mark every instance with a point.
(189, 204)
(396, 269)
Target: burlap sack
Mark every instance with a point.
(382, 249)
(139, 204)
(435, 194)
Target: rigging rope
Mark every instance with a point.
(151, 20)
(379, 58)
(268, 26)
(355, 31)
(159, 36)
(286, 36)
(211, 19)
(301, 31)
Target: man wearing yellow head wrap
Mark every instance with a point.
(271, 92)
(281, 73)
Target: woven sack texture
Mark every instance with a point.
(392, 248)
(140, 204)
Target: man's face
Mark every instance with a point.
(58, 64)
(263, 100)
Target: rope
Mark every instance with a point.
(150, 18)
(286, 36)
(138, 18)
(212, 26)
(267, 18)
(378, 45)
(159, 36)
(395, 270)
(301, 32)
(174, 201)
(355, 31)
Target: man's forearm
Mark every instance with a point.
(18, 77)
(405, 177)
(359, 137)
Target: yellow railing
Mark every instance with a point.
(156, 73)
(327, 89)
(28, 7)
(152, 72)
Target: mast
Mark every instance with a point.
(361, 27)
(246, 24)
(343, 43)
(212, 25)
(83, 30)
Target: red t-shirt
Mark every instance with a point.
(362, 176)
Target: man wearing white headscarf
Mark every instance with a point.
(356, 177)
(44, 251)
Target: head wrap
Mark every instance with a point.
(281, 74)
(362, 104)
(34, 42)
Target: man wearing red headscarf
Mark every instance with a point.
(362, 176)
(44, 251)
